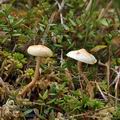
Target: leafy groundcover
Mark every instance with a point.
(65, 90)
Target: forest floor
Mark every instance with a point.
(82, 87)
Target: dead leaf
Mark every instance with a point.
(69, 78)
(2, 33)
(116, 41)
(97, 48)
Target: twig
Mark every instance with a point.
(61, 58)
(90, 114)
(116, 82)
(48, 27)
(108, 73)
(107, 65)
(60, 6)
(105, 98)
(112, 96)
(87, 116)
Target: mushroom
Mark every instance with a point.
(39, 51)
(82, 56)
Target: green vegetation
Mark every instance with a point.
(62, 91)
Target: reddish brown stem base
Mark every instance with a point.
(81, 74)
(31, 85)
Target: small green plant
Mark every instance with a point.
(116, 114)
(88, 103)
(29, 72)
(62, 25)
(18, 58)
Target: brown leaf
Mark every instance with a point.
(69, 78)
(116, 41)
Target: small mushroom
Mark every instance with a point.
(39, 51)
(82, 56)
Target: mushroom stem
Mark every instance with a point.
(28, 87)
(81, 74)
(37, 73)
(79, 67)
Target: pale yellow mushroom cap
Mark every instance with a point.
(83, 56)
(39, 50)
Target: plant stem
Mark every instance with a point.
(28, 87)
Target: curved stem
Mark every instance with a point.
(28, 87)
